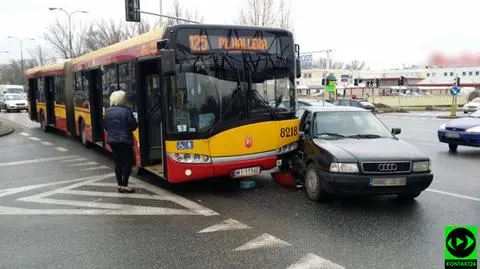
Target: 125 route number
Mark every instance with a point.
(288, 131)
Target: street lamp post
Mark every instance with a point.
(69, 16)
(21, 51)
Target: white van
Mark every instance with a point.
(14, 89)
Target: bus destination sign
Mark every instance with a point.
(204, 43)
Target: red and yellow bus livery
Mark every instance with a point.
(211, 100)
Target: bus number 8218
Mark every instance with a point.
(288, 131)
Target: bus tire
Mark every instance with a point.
(83, 136)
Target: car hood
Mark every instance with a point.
(380, 149)
(464, 123)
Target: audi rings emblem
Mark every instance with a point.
(387, 167)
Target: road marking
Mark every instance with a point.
(312, 261)
(35, 138)
(98, 208)
(74, 160)
(263, 241)
(226, 225)
(24, 134)
(96, 168)
(46, 143)
(10, 191)
(62, 149)
(83, 164)
(455, 195)
(40, 160)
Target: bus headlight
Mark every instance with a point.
(287, 148)
(190, 158)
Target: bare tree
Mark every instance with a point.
(39, 55)
(266, 13)
(179, 12)
(56, 35)
(12, 73)
(104, 33)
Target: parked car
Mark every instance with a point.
(13, 102)
(472, 106)
(463, 131)
(349, 151)
(356, 103)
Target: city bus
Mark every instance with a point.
(206, 97)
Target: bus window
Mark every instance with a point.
(41, 90)
(125, 84)
(59, 90)
(109, 83)
(86, 100)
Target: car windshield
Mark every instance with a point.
(15, 90)
(13, 97)
(348, 124)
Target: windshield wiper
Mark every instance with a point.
(365, 136)
(330, 134)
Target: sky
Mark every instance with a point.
(384, 33)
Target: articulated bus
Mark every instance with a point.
(211, 100)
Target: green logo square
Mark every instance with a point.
(460, 242)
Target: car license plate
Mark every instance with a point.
(452, 135)
(246, 172)
(388, 181)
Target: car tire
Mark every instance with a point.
(452, 147)
(313, 184)
(408, 195)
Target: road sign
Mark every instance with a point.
(306, 61)
(454, 90)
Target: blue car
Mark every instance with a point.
(463, 132)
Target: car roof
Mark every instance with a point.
(334, 109)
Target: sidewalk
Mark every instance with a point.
(5, 130)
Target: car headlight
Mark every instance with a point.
(423, 166)
(344, 167)
(443, 126)
(475, 129)
(190, 158)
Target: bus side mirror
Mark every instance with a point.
(168, 62)
(298, 68)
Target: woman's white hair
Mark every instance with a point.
(117, 98)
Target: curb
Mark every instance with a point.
(4, 130)
(450, 117)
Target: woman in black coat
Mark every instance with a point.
(120, 123)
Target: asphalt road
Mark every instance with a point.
(59, 209)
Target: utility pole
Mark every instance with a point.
(20, 41)
(70, 34)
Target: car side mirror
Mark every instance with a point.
(396, 131)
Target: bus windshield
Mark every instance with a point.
(225, 77)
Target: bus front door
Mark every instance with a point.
(50, 100)
(95, 94)
(150, 115)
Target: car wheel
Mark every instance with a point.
(313, 184)
(452, 147)
(83, 136)
(408, 195)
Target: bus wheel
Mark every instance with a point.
(83, 136)
(43, 122)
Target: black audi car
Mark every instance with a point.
(349, 151)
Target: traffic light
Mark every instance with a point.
(131, 10)
(355, 82)
(458, 81)
(377, 83)
(401, 81)
(324, 81)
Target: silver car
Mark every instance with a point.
(13, 102)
